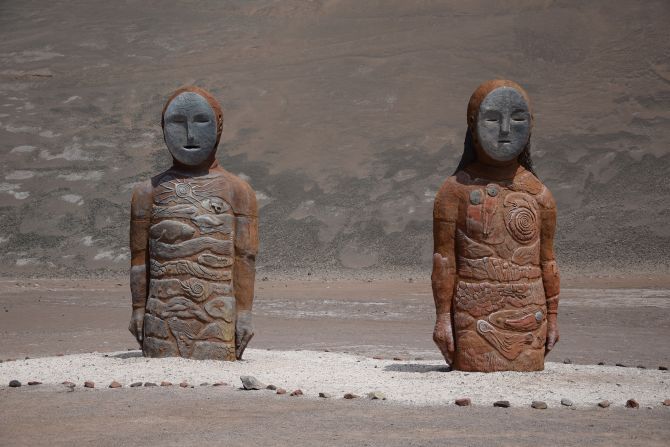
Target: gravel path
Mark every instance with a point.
(405, 381)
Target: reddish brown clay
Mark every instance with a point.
(495, 280)
(193, 240)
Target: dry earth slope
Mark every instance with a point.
(344, 115)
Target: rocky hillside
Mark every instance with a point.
(344, 115)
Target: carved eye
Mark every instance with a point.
(202, 119)
(178, 119)
(519, 116)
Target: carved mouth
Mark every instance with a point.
(191, 147)
(504, 141)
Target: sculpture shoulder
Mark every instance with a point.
(243, 197)
(530, 184)
(141, 200)
(448, 198)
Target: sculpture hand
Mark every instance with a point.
(136, 326)
(552, 333)
(443, 336)
(244, 330)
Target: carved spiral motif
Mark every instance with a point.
(182, 189)
(522, 223)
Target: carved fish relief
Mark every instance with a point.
(171, 231)
(190, 247)
(509, 345)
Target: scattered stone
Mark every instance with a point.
(566, 402)
(641, 367)
(418, 358)
(325, 395)
(601, 363)
(115, 384)
(666, 402)
(567, 361)
(184, 384)
(539, 405)
(604, 404)
(632, 403)
(296, 393)
(204, 384)
(271, 387)
(150, 384)
(281, 391)
(89, 384)
(69, 384)
(376, 395)
(397, 359)
(166, 383)
(350, 396)
(34, 382)
(663, 368)
(377, 357)
(220, 384)
(502, 404)
(621, 365)
(463, 402)
(251, 383)
(14, 383)
(135, 384)
(60, 354)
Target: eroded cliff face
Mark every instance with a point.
(344, 116)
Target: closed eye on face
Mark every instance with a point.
(201, 119)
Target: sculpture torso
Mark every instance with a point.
(191, 303)
(499, 305)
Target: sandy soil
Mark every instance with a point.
(415, 382)
(41, 318)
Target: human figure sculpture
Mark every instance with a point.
(193, 241)
(495, 280)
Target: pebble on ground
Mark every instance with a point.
(539, 405)
(463, 402)
(89, 384)
(502, 404)
(632, 403)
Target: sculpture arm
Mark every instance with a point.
(550, 275)
(246, 248)
(140, 215)
(443, 277)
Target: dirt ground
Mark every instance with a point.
(387, 318)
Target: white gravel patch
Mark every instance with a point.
(407, 382)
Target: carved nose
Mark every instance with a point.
(504, 126)
(189, 135)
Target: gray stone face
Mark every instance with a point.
(190, 129)
(503, 124)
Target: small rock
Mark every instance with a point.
(135, 384)
(325, 395)
(60, 354)
(271, 387)
(632, 403)
(641, 367)
(604, 404)
(502, 404)
(666, 402)
(34, 382)
(463, 402)
(296, 393)
(621, 365)
(166, 383)
(418, 358)
(567, 361)
(539, 405)
(89, 384)
(150, 384)
(220, 384)
(115, 384)
(397, 359)
(601, 363)
(251, 383)
(376, 395)
(377, 357)
(204, 384)
(663, 368)
(69, 384)
(14, 383)
(350, 396)
(281, 391)
(566, 402)
(184, 384)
